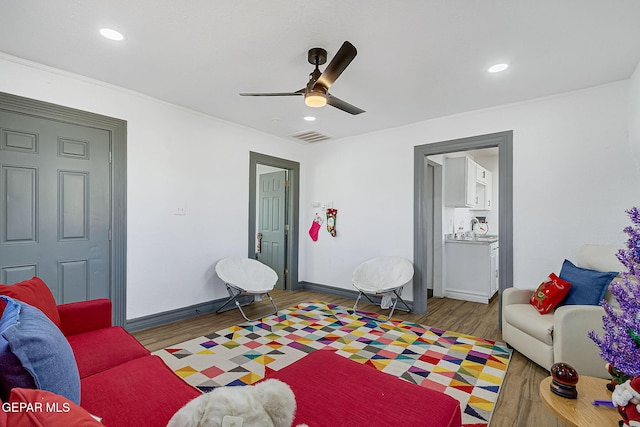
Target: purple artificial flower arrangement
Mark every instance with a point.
(620, 344)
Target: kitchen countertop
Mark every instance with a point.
(482, 240)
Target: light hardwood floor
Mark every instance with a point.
(519, 403)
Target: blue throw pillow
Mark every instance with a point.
(588, 287)
(34, 353)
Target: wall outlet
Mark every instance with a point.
(180, 210)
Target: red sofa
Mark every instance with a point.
(124, 385)
(120, 381)
(332, 390)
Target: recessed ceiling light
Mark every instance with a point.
(498, 68)
(309, 118)
(111, 34)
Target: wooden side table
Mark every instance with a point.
(580, 412)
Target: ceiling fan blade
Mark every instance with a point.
(342, 105)
(340, 61)
(296, 93)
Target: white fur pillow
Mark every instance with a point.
(270, 403)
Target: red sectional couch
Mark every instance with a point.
(120, 381)
(124, 385)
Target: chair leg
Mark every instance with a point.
(398, 297)
(232, 297)
(395, 301)
(355, 306)
(367, 297)
(393, 308)
(258, 318)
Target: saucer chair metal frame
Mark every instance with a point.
(246, 276)
(382, 276)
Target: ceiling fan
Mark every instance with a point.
(316, 92)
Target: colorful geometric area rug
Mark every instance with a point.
(468, 368)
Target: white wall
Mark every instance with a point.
(370, 181)
(573, 178)
(634, 116)
(176, 157)
(574, 175)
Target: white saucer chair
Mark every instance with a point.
(384, 277)
(246, 276)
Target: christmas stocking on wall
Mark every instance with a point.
(315, 227)
(331, 221)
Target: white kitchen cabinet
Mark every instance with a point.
(460, 182)
(471, 270)
(488, 200)
(467, 184)
(484, 192)
(481, 174)
(495, 270)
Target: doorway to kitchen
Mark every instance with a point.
(428, 235)
(273, 215)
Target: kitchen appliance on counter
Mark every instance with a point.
(479, 225)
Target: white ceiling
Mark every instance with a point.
(417, 59)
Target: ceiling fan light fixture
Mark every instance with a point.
(315, 92)
(315, 99)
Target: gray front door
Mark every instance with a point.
(55, 205)
(271, 222)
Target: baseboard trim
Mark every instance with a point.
(159, 319)
(466, 296)
(329, 290)
(341, 292)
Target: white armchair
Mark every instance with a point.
(561, 335)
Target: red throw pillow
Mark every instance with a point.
(35, 293)
(32, 407)
(549, 293)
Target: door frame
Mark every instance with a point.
(292, 211)
(434, 228)
(504, 142)
(117, 129)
